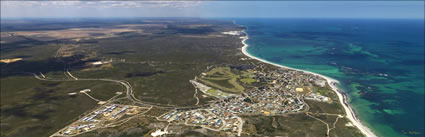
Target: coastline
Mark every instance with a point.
(350, 114)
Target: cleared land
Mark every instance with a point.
(224, 79)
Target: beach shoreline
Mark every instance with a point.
(350, 114)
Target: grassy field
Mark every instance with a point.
(247, 77)
(322, 90)
(218, 94)
(225, 79)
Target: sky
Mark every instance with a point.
(209, 9)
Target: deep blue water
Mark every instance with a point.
(379, 62)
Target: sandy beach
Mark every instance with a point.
(350, 114)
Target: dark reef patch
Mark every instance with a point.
(413, 62)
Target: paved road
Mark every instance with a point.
(129, 92)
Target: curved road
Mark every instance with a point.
(129, 92)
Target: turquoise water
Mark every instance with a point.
(380, 63)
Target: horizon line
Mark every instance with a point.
(135, 17)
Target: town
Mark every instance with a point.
(104, 116)
(283, 93)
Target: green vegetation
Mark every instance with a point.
(40, 108)
(218, 94)
(247, 77)
(297, 125)
(157, 64)
(248, 80)
(226, 79)
(322, 90)
(247, 73)
(223, 78)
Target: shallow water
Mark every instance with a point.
(379, 62)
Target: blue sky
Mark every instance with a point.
(284, 9)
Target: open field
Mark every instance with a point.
(10, 60)
(216, 93)
(247, 77)
(224, 78)
(73, 33)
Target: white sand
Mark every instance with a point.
(342, 98)
(158, 132)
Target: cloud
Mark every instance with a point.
(101, 4)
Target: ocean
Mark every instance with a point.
(379, 63)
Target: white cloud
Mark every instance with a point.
(101, 4)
